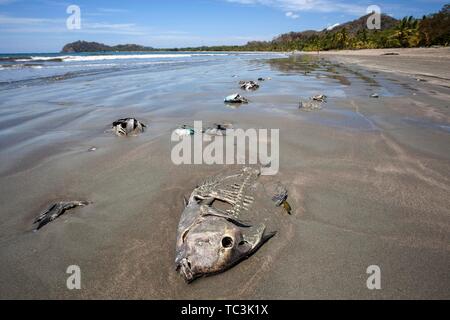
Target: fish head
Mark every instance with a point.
(214, 243)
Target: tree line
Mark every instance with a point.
(433, 29)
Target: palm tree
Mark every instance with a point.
(406, 32)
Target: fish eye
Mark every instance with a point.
(227, 242)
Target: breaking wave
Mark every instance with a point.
(72, 58)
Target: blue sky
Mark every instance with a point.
(40, 25)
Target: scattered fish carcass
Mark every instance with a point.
(128, 127)
(185, 130)
(248, 85)
(235, 98)
(212, 237)
(56, 210)
(319, 98)
(218, 129)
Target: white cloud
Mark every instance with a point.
(292, 15)
(112, 28)
(112, 10)
(307, 5)
(8, 20)
(13, 24)
(333, 26)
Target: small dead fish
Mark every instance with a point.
(248, 85)
(280, 197)
(320, 98)
(218, 129)
(210, 239)
(128, 127)
(56, 210)
(184, 131)
(235, 98)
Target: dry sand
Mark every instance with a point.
(369, 181)
(431, 64)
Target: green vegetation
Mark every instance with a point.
(409, 32)
(435, 29)
(83, 46)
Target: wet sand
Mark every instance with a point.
(368, 180)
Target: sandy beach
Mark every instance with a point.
(368, 178)
(430, 64)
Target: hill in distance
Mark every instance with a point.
(352, 27)
(84, 46)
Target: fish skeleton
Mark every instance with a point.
(210, 239)
(248, 85)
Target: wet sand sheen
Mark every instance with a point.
(368, 181)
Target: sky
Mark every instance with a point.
(40, 25)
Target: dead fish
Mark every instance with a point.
(310, 106)
(218, 129)
(280, 196)
(248, 85)
(320, 98)
(235, 98)
(56, 210)
(211, 240)
(128, 127)
(184, 131)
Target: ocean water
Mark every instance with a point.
(15, 68)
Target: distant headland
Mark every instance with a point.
(84, 46)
